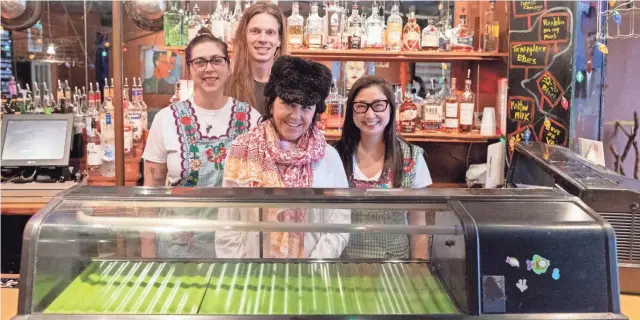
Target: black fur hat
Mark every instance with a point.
(296, 80)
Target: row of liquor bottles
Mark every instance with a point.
(447, 110)
(338, 30)
(93, 117)
(181, 25)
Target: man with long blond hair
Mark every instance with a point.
(260, 39)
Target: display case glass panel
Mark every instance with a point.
(197, 256)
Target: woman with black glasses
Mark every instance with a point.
(375, 157)
(189, 140)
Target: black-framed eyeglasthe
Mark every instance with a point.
(215, 61)
(376, 106)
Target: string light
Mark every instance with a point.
(104, 53)
(51, 49)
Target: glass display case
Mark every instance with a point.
(613, 196)
(158, 252)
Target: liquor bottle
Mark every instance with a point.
(354, 30)
(91, 98)
(430, 37)
(295, 26)
(60, 106)
(94, 149)
(235, 20)
(374, 30)
(145, 108)
(467, 105)
(128, 125)
(218, 21)
(185, 18)
(195, 23)
(106, 110)
(315, 33)
(419, 102)
(334, 114)
(135, 115)
(13, 93)
(97, 96)
(412, 33)
(463, 36)
(432, 110)
(172, 25)
(398, 98)
(112, 93)
(446, 35)
(107, 141)
(47, 101)
(365, 22)
(28, 101)
(67, 95)
(334, 16)
(37, 99)
(408, 112)
(451, 109)
(394, 29)
(491, 29)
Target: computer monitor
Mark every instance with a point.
(36, 140)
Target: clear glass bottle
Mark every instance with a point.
(37, 99)
(374, 30)
(67, 96)
(419, 102)
(430, 37)
(491, 33)
(97, 96)
(143, 105)
(463, 36)
(408, 112)
(354, 29)
(412, 32)
(235, 20)
(47, 99)
(172, 25)
(128, 126)
(107, 133)
(218, 21)
(334, 14)
(451, 120)
(446, 35)
(94, 149)
(184, 30)
(295, 27)
(91, 100)
(195, 23)
(333, 117)
(135, 116)
(315, 31)
(432, 110)
(467, 105)
(394, 29)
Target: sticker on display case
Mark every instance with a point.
(538, 264)
(555, 274)
(493, 296)
(522, 285)
(513, 262)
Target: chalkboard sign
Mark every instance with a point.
(540, 71)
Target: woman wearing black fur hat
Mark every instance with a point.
(287, 150)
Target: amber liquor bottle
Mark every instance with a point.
(451, 120)
(408, 112)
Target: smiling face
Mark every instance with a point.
(263, 37)
(291, 120)
(209, 78)
(371, 123)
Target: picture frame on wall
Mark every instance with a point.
(161, 69)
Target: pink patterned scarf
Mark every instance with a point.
(256, 159)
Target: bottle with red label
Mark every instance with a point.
(408, 112)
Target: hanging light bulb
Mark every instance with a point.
(31, 56)
(51, 49)
(104, 53)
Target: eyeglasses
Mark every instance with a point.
(215, 61)
(376, 106)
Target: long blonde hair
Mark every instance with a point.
(240, 84)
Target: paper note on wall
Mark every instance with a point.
(592, 150)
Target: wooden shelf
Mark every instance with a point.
(427, 136)
(384, 55)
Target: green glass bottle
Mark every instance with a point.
(172, 23)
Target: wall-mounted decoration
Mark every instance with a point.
(161, 69)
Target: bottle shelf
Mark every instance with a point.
(430, 136)
(385, 55)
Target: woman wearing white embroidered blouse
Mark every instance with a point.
(286, 150)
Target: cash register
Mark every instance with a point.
(615, 197)
(36, 148)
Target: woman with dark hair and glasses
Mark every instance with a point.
(375, 157)
(189, 140)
